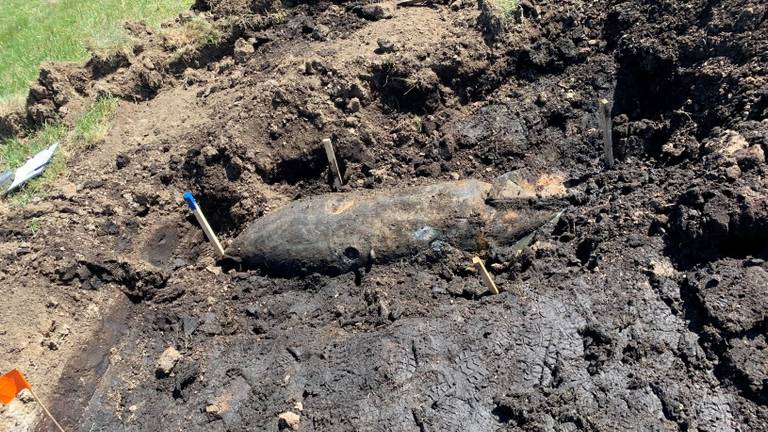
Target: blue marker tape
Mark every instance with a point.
(190, 199)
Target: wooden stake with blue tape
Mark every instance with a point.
(192, 203)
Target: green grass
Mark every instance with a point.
(94, 123)
(90, 126)
(196, 32)
(507, 7)
(33, 31)
(33, 226)
(15, 152)
(190, 36)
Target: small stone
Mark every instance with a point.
(429, 170)
(635, 241)
(83, 273)
(733, 172)
(243, 50)
(353, 105)
(93, 184)
(730, 142)
(189, 325)
(252, 310)
(373, 12)
(110, 227)
(351, 122)
(385, 46)
(179, 263)
(750, 157)
(68, 190)
(313, 67)
(383, 309)
(214, 409)
(133, 408)
(25, 396)
(662, 269)
(51, 345)
(298, 353)
(320, 32)
(288, 420)
(211, 324)
(438, 290)
(167, 361)
(672, 150)
(396, 313)
(213, 269)
(209, 153)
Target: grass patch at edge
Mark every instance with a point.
(33, 31)
(507, 7)
(90, 127)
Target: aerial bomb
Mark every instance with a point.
(341, 232)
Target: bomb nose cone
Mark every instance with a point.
(525, 184)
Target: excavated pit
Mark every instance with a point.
(641, 308)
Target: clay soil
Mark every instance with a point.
(642, 308)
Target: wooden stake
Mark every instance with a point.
(604, 118)
(192, 203)
(328, 145)
(486, 277)
(48, 413)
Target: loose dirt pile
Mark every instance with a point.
(642, 308)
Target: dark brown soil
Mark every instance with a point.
(642, 308)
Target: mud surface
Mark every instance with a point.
(642, 308)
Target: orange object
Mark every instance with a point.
(11, 384)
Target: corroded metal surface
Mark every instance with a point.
(337, 233)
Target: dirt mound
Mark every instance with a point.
(642, 307)
(222, 8)
(685, 70)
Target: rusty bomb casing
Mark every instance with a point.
(340, 232)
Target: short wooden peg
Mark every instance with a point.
(487, 279)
